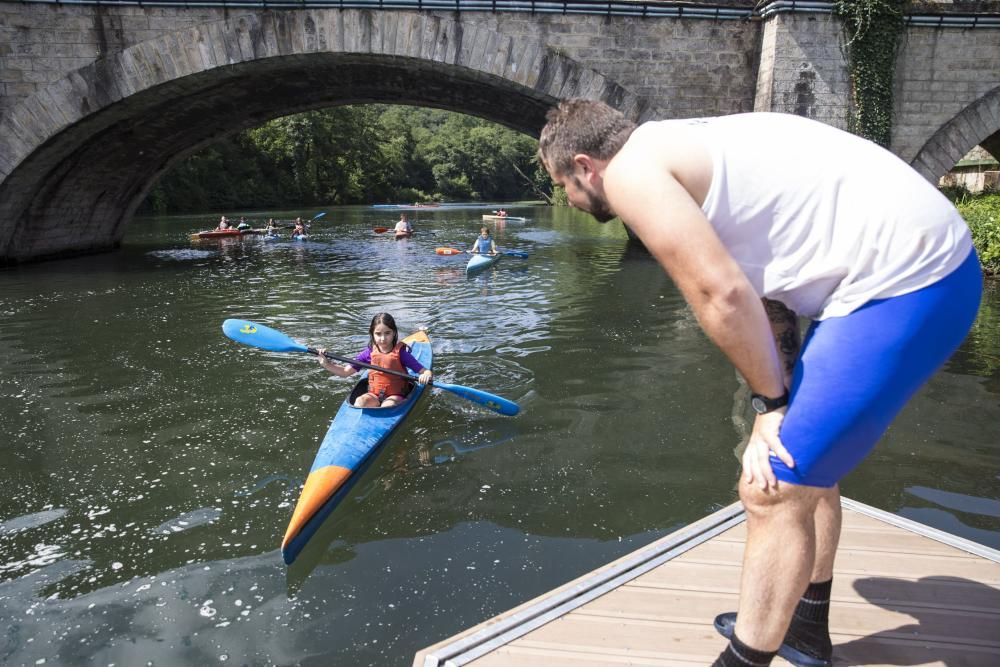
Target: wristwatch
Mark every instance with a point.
(762, 404)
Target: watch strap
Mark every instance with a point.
(770, 404)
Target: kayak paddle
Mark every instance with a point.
(291, 225)
(456, 251)
(266, 338)
(380, 230)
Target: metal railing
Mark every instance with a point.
(634, 8)
(637, 8)
(940, 20)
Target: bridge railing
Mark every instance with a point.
(639, 8)
(634, 8)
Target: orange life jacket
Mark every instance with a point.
(391, 385)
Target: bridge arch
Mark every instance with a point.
(78, 157)
(978, 123)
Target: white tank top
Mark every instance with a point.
(820, 219)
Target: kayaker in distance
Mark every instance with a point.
(403, 226)
(271, 229)
(484, 244)
(223, 223)
(300, 228)
(385, 350)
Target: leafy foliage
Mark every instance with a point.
(983, 215)
(873, 30)
(356, 154)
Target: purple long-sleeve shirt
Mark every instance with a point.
(405, 357)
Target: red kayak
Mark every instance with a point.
(216, 233)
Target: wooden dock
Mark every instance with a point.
(903, 594)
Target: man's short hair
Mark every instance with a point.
(581, 126)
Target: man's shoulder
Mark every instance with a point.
(668, 144)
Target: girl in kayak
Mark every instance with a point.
(484, 244)
(385, 350)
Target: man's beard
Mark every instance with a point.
(596, 206)
(599, 208)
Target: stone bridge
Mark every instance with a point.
(97, 101)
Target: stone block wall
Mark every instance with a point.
(685, 67)
(939, 73)
(681, 67)
(40, 43)
(803, 69)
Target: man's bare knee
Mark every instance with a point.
(783, 499)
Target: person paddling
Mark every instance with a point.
(385, 350)
(403, 227)
(484, 243)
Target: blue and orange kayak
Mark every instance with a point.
(350, 444)
(479, 262)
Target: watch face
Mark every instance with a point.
(758, 405)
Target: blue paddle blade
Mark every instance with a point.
(515, 253)
(257, 335)
(319, 215)
(491, 401)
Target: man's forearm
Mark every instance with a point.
(785, 325)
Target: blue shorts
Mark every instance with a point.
(856, 372)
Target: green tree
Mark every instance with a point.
(356, 154)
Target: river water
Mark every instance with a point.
(151, 464)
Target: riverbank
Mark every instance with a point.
(982, 213)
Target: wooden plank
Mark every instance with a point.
(494, 632)
(942, 592)
(539, 654)
(855, 619)
(899, 598)
(875, 651)
(639, 639)
(870, 651)
(886, 563)
(683, 643)
(884, 538)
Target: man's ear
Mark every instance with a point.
(584, 166)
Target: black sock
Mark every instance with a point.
(815, 602)
(738, 654)
(809, 631)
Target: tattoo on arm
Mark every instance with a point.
(785, 326)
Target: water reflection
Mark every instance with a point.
(446, 451)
